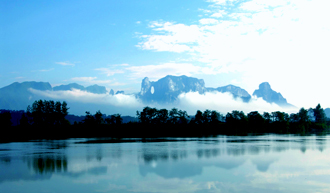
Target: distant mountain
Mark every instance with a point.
(92, 89)
(266, 93)
(69, 87)
(96, 89)
(236, 91)
(327, 112)
(17, 96)
(167, 89)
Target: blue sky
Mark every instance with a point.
(118, 43)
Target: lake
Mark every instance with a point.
(267, 163)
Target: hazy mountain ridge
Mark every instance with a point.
(17, 96)
(270, 96)
(167, 89)
(236, 91)
(96, 89)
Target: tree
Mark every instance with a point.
(114, 119)
(199, 117)
(256, 121)
(319, 114)
(98, 118)
(162, 116)
(178, 116)
(183, 117)
(5, 119)
(147, 116)
(24, 121)
(280, 122)
(215, 117)
(206, 116)
(46, 113)
(174, 116)
(89, 119)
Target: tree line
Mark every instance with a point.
(50, 116)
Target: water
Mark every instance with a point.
(269, 163)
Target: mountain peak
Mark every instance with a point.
(266, 93)
(264, 86)
(168, 88)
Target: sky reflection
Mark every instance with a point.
(224, 164)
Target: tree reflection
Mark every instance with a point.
(5, 160)
(236, 151)
(48, 164)
(208, 153)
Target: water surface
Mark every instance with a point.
(268, 163)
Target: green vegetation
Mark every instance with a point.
(46, 119)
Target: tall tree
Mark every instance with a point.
(48, 113)
(319, 114)
(147, 116)
(5, 119)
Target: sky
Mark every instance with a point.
(117, 43)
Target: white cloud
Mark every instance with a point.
(159, 71)
(208, 21)
(138, 22)
(173, 40)
(285, 42)
(118, 100)
(65, 63)
(224, 102)
(109, 71)
(43, 70)
(219, 13)
(220, 2)
(190, 102)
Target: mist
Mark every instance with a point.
(82, 101)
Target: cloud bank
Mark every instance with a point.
(190, 102)
(285, 42)
(225, 102)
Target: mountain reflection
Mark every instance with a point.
(169, 161)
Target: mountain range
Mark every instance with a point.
(17, 96)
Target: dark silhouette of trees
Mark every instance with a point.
(256, 122)
(319, 116)
(5, 119)
(99, 119)
(48, 113)
(236, 122)
(152, 122)
(147, 116)
(24, 121)
(178, 116)
(115, 119)
(199, 118)
(216, 118)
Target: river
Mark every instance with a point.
(266, 163)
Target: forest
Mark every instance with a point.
(47, 120)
